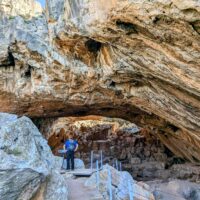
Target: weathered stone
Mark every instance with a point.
(19, 183)
(6, 118)
(28, 8)
(26, 162)
(56, 188)
(120, 187)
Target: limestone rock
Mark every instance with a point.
(26, 162)
(22, 146)
(19, 183)
(120, 187)
(56, 188)
(117, 58)
(6, 118)
(28, 8)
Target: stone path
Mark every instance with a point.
(77, 190)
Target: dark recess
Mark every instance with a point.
(9, 62)
(80, 113)
(106, 109)
(196, 26)
(162, 19)
(174, 128)
(37, 122)
(11, 59)
(174, 160)
(28, 71)
(156, 19)
(112, 84)
(138, 83)
(168, 152)
(93, 46)
(127, 26)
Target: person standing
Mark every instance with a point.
(71, 146)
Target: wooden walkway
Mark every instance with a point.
(79, 172)
(83, 172)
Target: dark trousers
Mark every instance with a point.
(70, 160)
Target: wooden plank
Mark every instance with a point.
(83, 172)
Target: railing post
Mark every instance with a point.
(130, 189)
(110, 184)
(91, 160)
(116, 164)
(97, 178)
(120, 166)
(101, 159)
(113, 163)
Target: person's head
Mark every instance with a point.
(70, 136)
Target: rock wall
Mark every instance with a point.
(111, 58)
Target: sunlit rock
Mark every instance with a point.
(26, 162)
(119, 184)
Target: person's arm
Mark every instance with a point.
(76, 147)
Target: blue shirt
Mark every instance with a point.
(70, 145)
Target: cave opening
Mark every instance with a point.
(137, 148)
(93, 45)
(127, 26)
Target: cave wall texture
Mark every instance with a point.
(134, 59)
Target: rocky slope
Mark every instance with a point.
(119, 58)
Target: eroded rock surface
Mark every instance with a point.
(25, 8)
(111, 58)
(27, 166)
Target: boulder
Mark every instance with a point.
(56, 188)
(6, 118)
(26, 162)
(120, 181)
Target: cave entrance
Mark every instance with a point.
(137, 148)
